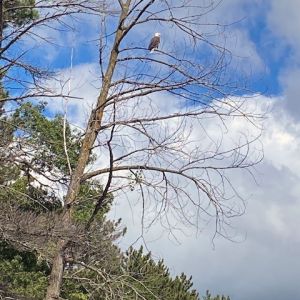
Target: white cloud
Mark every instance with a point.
(80, 82)
(236, 15)
(244, 52)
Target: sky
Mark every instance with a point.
(262, 260)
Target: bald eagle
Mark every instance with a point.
(154, 42)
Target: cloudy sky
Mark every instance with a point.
(265, 264)
(262, 261)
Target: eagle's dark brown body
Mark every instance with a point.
(154, 43)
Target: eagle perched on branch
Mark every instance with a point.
(154, 43)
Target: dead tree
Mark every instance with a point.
(155, 150)
(148, 121)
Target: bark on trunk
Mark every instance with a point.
(92, 130)
(56, 275)
(1, 22)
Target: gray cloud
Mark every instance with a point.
(290, 81)
(284, 23)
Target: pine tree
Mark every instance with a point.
(208, 296)
(153, 280)
(18, 12)
(34, 145)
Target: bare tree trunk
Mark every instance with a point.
(1, 22)
(55, 279)
(93, 127)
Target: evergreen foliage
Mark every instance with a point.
(208, 296)
(47, 136)
(153, 279)
(21, 273)
(19, 12)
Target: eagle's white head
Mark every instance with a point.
(157, 34)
